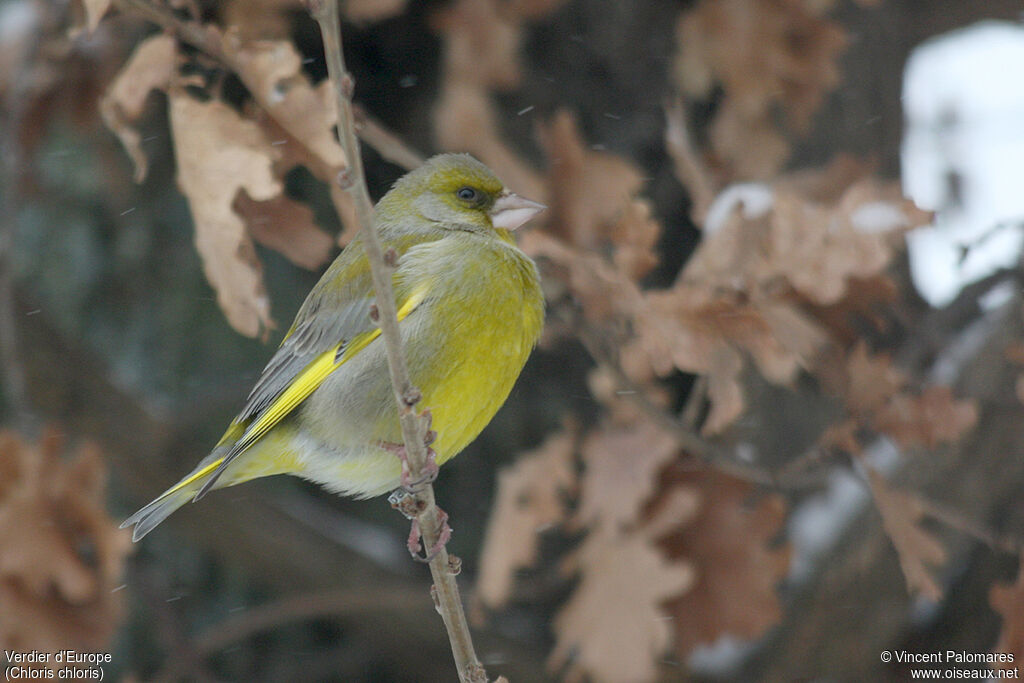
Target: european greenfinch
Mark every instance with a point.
(470, 310)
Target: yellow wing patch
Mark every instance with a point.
(314, 374)
(194, 477)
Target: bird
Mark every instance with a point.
(470, 310)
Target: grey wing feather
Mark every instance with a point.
(317, 332)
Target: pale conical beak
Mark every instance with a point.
(510, 210)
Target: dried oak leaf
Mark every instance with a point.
(150, 68)
(63, 555)
(916, 547)
(819, 249)
(700, 330)
(285, 226)
(532, 496)
(766, 55)
(759, 235)
(746, 147)
(614, 628)
(590, 189)
(219, 153)
(622, 409)
(602, 290)
(738, 565)
(927, 420)
(272, 71)
(372, 11)
(259, 19)
(621, 466)
(1008, 601)
(872, 381)
(481, 43)
(94, 11)
(306, 115)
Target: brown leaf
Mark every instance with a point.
(218, 154)
(918, 549)
(481, 44)
(602, 290)
(739, 568)
(150, 68)
(1008, 601)
(873, 381)
(272, 71)
(590, 189)
(927, 420)
(531, 497)
(697, 329)
(621, 465)
(63, 555)
(675, 510)
(614, 628)
(371, 11)
(94, 11)
(818, 249)
(766, 55)
(285, 226)
(258, 19)
(747, 147)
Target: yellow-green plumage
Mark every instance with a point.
(470, 310)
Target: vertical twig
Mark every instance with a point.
(414, 427)
(689, 169)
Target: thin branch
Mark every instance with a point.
(191, 32)
(388, 145)
(689, 169)
(208, 41)
(711, 454)
(414, 426)
(249, 622)
(957, 520)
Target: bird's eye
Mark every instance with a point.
(467, 194)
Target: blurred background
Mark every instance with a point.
(773, 428)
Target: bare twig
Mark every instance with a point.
(713, 455)
(690, 170)
(209, 42)
(414, 426)
(249, 622)
(191, 32)
(390, 146)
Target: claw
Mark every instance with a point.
(416, 540)
(430, 468)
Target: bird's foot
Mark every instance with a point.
(415, 539)
(430, 468)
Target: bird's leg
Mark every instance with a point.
(415, 540)
(402, 501)
(430, 469)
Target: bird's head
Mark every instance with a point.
(455, 191)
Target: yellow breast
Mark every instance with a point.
(484, 320)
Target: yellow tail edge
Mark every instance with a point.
(169, 501)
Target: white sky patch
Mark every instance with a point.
(963, 155)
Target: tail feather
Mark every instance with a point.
(169, 501)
